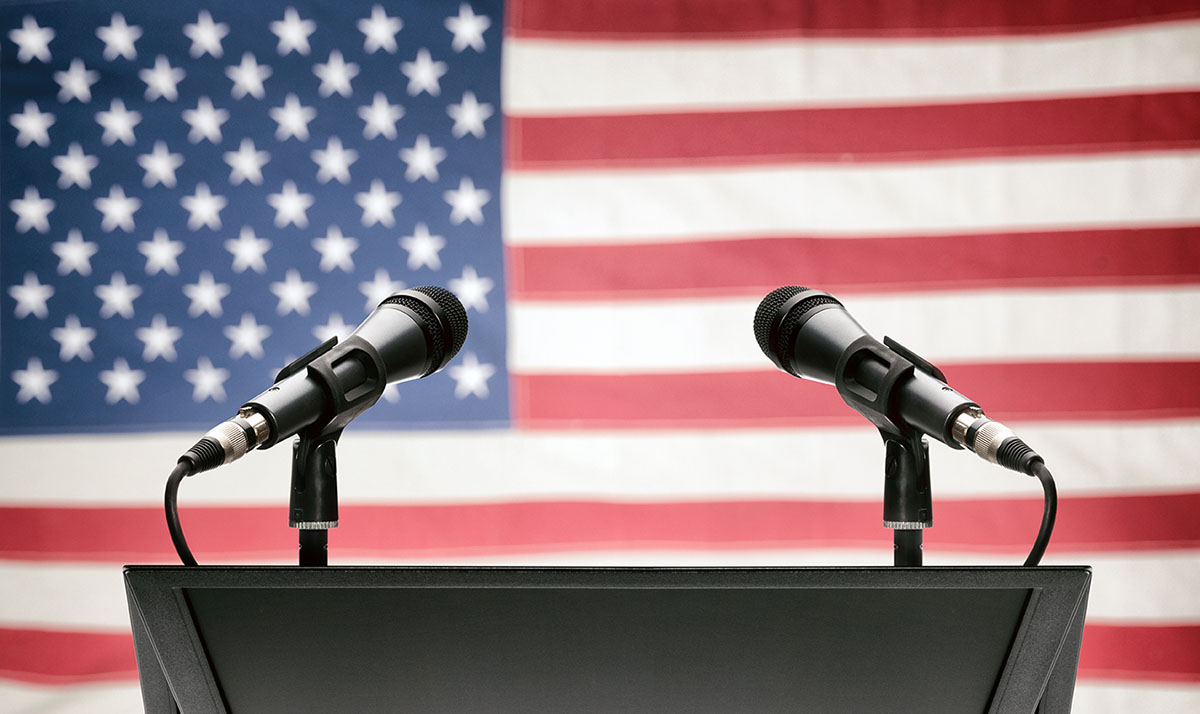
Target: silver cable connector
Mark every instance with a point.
(980, 434)
(240, 434)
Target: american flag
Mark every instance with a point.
(191, 196)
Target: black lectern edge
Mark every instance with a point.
(1041, 665)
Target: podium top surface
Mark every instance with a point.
(266, 639)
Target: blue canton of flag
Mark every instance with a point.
(193, 197)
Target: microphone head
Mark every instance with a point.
(779, 317)
(444, 320)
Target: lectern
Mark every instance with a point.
(293, 640)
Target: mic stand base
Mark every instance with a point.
(906, 548)
(314, 547)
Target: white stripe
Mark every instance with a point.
(988, 326)
(474, 467)
(545, 77)
(48, 596)
(1091, 697)
(106, 698)
(937, 197)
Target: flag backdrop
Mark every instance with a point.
(192, 197)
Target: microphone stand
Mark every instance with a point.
(907, 502)
(314, 505)
(313, 508)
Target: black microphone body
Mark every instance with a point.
(410, 335)
(809, 334)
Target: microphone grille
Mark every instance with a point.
(767, 320)
(456, 316)
(766, 312)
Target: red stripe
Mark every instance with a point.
(51, 657)
(1044, 391)
(1139, 653)
(892, 133)
(754, 266)
(1162, 521)
(709, 19)
(1163, 653)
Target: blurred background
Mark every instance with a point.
(192, 197)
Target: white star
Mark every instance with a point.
(205, 121)
(159, 339)
(34, 381)
(118, 123)
(75, 167)
(160, 166)
(336, 250)
(205, 295)
(248, 77)
(33, 126)
(423, 74)
(207, 381)
(204, 209)
(471, 289)
(292, 119)
(162, 81)
(468, 29)
(335, 75)
(119, 38)
(293, 32)
(162, 253)
(334, 161)
(76, 82)
(32, 211)
(246, 337)
(118, 297)
(290, 206)
(336, 327)
(33, 42)
(470, 377)
(74, 253)
(74, 340)
(206, 35)
(469, 116)
(118, 210)
(31, 297)
(380, 31)
(380, 117)
(246, 163)
(422, 160)
(248, 251)
(122, 382)
(378, 204)
(293, 293)
(380, 288)
(423, 248)
(467, 202)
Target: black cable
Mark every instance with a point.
(182, 470)
(1049, 510)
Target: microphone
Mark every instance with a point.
(809, 334)
(410, 335)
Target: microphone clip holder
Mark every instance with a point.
(313, 507)
(907, 500)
